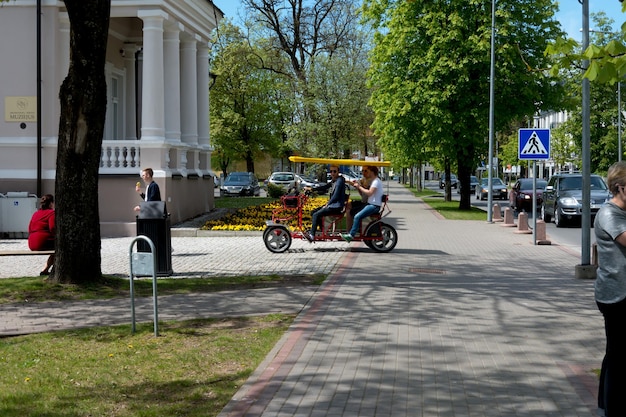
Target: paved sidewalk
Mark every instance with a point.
(462, 319)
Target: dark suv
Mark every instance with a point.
(562, 198)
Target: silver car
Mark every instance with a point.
(498, 189)
(286, 180)
(563, 201)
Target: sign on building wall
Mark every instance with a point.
(20, 109)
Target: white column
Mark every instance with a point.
(203, 93)
(189, 95)
(171, 54)
(130, 103)
(152, 97)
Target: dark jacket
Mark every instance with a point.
(154, 194)
(337, 192)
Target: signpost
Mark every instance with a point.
(534, 145)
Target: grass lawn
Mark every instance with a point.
(449, 209)
(192, 369)
(34, 289)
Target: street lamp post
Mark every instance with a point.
(492, 75)
(585, 269)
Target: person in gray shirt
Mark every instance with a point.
(610, 292)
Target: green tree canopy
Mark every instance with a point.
(430, 74)
(248, 103)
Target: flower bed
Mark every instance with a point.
(254, 218)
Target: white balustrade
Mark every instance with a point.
(120, 157)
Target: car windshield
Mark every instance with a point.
(473, 179)
(527, 184)
(283, 177)
(598, 183)
(233, 179)
(572, 183)
(576, 183)
(494, 181)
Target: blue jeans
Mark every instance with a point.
(321, 212)
(365, 212)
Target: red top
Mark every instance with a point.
(41, 230)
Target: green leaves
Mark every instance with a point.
(430, 65)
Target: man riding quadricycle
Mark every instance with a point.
(340, 218)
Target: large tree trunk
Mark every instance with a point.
(81, 126)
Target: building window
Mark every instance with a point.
(114, 128)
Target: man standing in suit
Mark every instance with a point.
(152, 188)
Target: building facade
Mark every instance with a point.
(158, 82)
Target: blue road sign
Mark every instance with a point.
(534, 144)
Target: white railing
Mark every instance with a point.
(120, 157)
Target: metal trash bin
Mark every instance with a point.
(153, 222)
(16, 210)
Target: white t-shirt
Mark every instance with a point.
(377, 197)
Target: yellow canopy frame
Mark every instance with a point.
(356, 162)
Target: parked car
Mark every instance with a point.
(562, 199)
(348, 175)
(521, 196)
(498, 189)
(454, 182)
(313, 183)
(287, 180)
(307, 181)
(240, 184)
(473, 184)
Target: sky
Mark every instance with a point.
(570, 13)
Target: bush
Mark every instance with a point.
(275, 191)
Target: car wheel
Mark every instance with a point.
(545, 216)
(559, 221)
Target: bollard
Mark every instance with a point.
(522, 223)
(509, 220)
(497, 213)
(541, 233)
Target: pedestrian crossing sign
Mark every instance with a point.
(534, 144)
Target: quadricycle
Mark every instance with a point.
(287, 220)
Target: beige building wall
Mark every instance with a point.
(180, 169)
